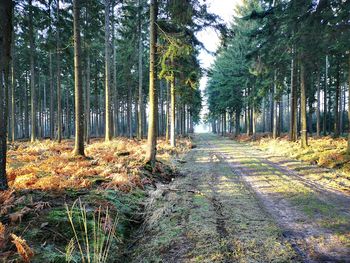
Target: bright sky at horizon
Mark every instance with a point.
(211, 40)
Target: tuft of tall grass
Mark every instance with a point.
(94, 238)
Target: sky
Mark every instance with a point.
(211, 40)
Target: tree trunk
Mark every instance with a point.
(32, 76)
(293, 127)
(167, 131)
(274, 100)
(108, 114)
(336, 105)
(58, 76)
(52, 112)
(78, 90)
(325, 100)
(115, 88)
(13, 84)
(348, 148)
(172, 111)
(129, 111)
(87, 111)
(152, 123)
(237, 124)
(5, 50)
(304, 142)
(318, 118)
(140, 97)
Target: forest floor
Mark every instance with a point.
(105, 191)
(212, 199)
(239, 203)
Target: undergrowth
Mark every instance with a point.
(44, 177)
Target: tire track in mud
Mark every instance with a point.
(297, 231)
(218, 206)
(326, 194)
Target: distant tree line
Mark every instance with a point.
(283, 67)
(100, 68)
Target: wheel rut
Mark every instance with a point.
(298, 230)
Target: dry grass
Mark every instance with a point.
(325, 152)
(43, 176)
(48, 165)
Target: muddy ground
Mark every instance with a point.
(235, 203)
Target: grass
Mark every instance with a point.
(44, 176)
(325, 152)
(188, 225)
(303, 198)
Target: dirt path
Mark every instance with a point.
(234, 205)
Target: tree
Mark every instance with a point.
(140, 68)
(108, 113)
(5, 50)
(32, 74)
(78, 90)
(58, 75)
(153, 100)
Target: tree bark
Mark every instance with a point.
(140, 97)
(304, 139)
(293, 127)
(32, 76)
(52, 112)
(108, 114)
(13, 87)
(237, 122)
(58, 76)
(318, 118)
(325, 100)
(336, 105)
(5, 50)
(78, 89)
(167, 131)
(87, 111)
(172, 111)
(274, 100)
(152, 123)
(348, 148)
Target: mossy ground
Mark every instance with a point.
(209, 216)
(44, 178)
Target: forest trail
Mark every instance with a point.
(236, 205)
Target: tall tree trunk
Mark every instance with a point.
(78, 89)
(58, 76)
(152, 123)
(167, 131)
(172, 111)
(5, 50)
(293, 127)
(275, 116)
(237, 124)
(318, 118)
(304, 142)
(52, 112)
(26, 111)
(32, 76)
(97, 134)
(140, 97)
(129, 111)
(115, 87)
(13, 86)
(348, 148)
(108, 114)
(87, 94)
(336, 105)
(325, 100)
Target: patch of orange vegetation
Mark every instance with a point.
(48, 165)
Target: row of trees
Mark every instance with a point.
(283, 67)
(94, 54)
